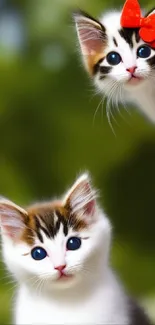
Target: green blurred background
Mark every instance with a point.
(49, 132)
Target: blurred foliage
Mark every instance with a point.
(52, 127)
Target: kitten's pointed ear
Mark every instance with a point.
(92, 39)
(81, 198)
(11, 218)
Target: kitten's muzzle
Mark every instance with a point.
(133, 78)
(62, 274)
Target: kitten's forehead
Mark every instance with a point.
(50, 219)
(111, 22)
(121, 37)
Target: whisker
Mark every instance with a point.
(96, 111)
(121, 100)
(110, 101)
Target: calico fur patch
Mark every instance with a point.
(93, 40)
(48, 218)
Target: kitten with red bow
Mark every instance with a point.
(118, 52)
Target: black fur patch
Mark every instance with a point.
(151, 61)
(127, 34)
(50, 228)
(104, 71)
(97, 67)
(115, 42)
(137, 315)
(38, 228)
(63, 221)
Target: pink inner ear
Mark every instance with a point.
(11, 231)
(90, 206)
(11, 221)
(90, 39)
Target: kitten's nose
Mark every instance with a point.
(60, 267)
(131, 70)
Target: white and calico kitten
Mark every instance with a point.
(121, 65)
(58, 251)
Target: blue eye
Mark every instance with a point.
(144, 51)
(113, 58)
(38, 253)
(73, 243)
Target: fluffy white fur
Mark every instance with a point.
(92, 296)
(115, 86)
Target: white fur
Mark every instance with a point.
(92, 295)
(115, 86)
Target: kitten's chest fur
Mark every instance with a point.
(144, 98)
(104, 306)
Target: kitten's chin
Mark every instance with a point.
(63, 282)
(134, 82)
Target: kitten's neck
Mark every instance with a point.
(144, 98)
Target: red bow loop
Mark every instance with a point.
(131, 18)
(131, 14)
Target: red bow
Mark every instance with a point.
(131, 18)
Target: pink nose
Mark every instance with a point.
(131, 70)
(60, 267)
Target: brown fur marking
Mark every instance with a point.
(92, 60)
(48, 217)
